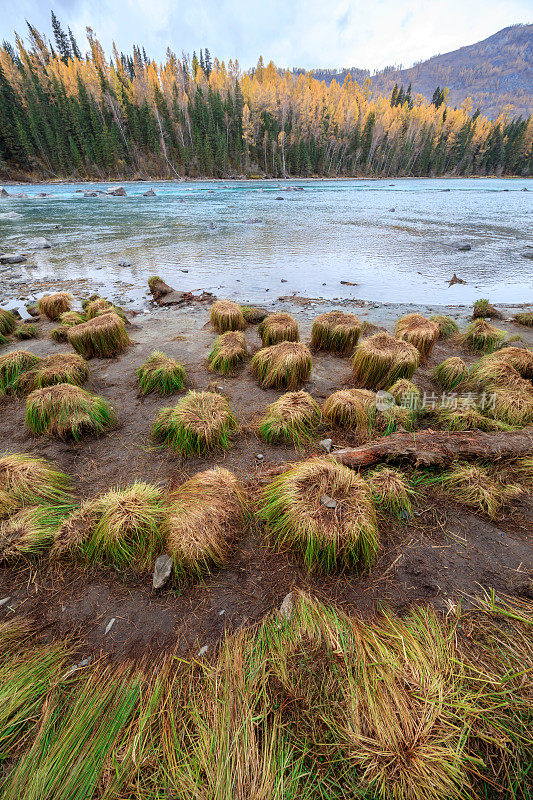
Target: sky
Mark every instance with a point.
(293, 33)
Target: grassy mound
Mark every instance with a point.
(490, 372)
(8, 322)
(406, 393)
(447, 325)
(51, 370)
(482, 308)
(162, 374)
(121, 528)
(31, 531)
(67, 412)
(451, 373)
(336, 332)
(350, 408)
(324, 512)
(480, 335)
(282, 366)
(229, 350)
(474, 486)
(101, 306)
(227, 316)
(524, 318)
(278, 328)
(201, 421)
(12, 366)
(466, 418)
(27, 481)
(104, 336)
(391, 491)
(53, 305)
(513, 406)
(253, 315)
(28, 331)
(418, 331)
(66, 321)
(381, 360)
(202, 519)
(518, 357)
(293, 418)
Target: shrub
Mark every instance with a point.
(201, 421)
(293, 418)
(67, 411)
(324, 512)
(282, 366)
(278, 328)
(161, 374)
(381, 360)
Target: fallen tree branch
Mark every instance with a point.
(430, 448)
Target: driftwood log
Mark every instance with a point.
(428, 448)
(165, 295)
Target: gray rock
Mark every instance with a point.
(5, 600)
(287, 605)
(118, 192)
(162, 571)
(528, 253)
(392, 210)
(124, 263)
(12, 258)
(149, 193)
(90, 194)
(328, 501)
(203, 650)
(40, 243)
(109, 625)
(326, 444)
(259, 456)
(464, 247)
(4, 192)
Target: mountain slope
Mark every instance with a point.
(495, 72)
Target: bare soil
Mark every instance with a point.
(442, 555)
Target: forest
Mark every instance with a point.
(65, 114)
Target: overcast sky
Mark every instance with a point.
(303, 33)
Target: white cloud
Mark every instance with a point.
(305, 33)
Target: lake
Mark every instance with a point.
(396, 239)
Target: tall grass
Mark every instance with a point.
(381, 360)
(201, 421)
(26, 481)
(68, 412)
(293, 418)
(162, 374)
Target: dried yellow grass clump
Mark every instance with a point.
(474, 485)
(336, 332)
(466, 418)
(30, 531)
(282, 366)
(51, 370)
(294, 418)
(524, 318)
(518, 357)
(447, 325)
(350, 408)
(8, 322)
(405, 393)
(391, 491)
(103, 336)
(481, 335)
(53, 305)
(26, 481)
(122, 528)
(418, 331)
(324, 512)
(227, 316)
(162, 374)
(12, 366)
(229, 350)
(381, 360)
(278, 328)
(451, 373)
(202, 520)
(67, 411)
(201, 421)
(513, 406)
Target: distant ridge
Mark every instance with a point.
(495, 72)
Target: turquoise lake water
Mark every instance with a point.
(257, 240)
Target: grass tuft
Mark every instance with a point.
(253, 315)
(229, 350)
(391, 491)
(31, 531)
(293, 418)
(451, 373)
(447, 325)
(201, 421)
(466, 418)
(282, 366)
(68, 412)
(326, 538)
(350, 408)
(28, 331)
(480, 335)
(482, 308)
(103, 336)
(122, 528)
(474, 486)
(51, 370)
(513, 406)
(53, 305)
(162, 374)
(381, 360)
(8, 322)
(12, 366)
(278, 328)
(518, 357)
(336, 332)
(202, 519)
(418, 331)
(524, 318)
(227, 316)
(27, 481)
(405, 393)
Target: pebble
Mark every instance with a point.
(287, 605)
(259, 456)
(326, 444)
(4, 600)
(203, 650)
(162, 571)
(109, 625)
(328, 501)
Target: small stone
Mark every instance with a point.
(12, 258)
(259, 456)
(464, 247)
(392, 210)
(328, 501)
(124, 263)
(326, 444)
(287, 605)
(109, 625)
(203, 650)
(4, 600)
(40, 243)
(162, 571)
(221, 612)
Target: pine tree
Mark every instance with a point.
(62, 40)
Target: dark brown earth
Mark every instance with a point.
(443, 555)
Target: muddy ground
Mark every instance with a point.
(442, 555)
